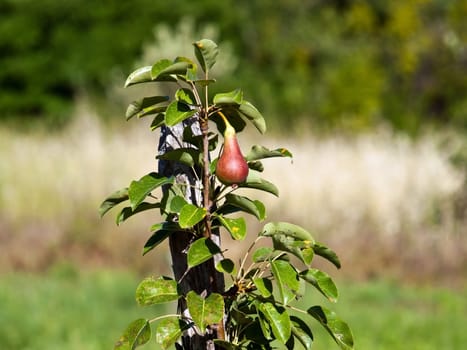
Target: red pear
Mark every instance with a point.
(231, 167)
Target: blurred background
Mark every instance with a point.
(369, 96)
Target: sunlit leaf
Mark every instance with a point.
(141, 75)
(177, 112)
(156, 291)
(253, 115)
(236, 227)
(254, 181)
(112, 200)
(338, 329)
(235, 203)
(137, 333)
(201, 250)
(205, 311)
(262, 254)
(158, 67)
(145, 106)
(226, 345)
(321, 281)
(325, 252)
(175, 68)
(278, 320)
(140, 189)
(158, 121)
(190, 215)
(288, 229)
(287, 280)
(260, 152)
(206, 52)
(290, 245)
(264, 286)
(229, 98)
(186, 96)
(169, 330)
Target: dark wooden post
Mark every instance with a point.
(203, 279)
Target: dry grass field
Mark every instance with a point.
(389, 205)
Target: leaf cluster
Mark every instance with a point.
(257, 306)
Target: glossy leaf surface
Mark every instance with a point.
(177, 112)
(156, 291)
(206, 52)
(190, 215)
(141, 75)
(147, 105)
(258, 152)
(278, 319)
(287, 280)
(338, 329)
(140, 189)
(321, 281)
(253, 207)
(201, 250)
(327, 253)
(236, 227)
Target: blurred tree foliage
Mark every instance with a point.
(334, 63)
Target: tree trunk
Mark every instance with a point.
(203, 279)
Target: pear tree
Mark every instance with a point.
(195, 192)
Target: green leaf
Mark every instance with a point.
(286, 278)
(291, 230)
(254, 181)
(325, 252)
(226, 266)
(127, 212)
(245, 204)
(176, 204)
(264, 286)
(201, 250)
(112, 200)
(162, 231)
(140, 189)
(188, 156)
(141, 75)
(253, 115)
(321, 281)
(260, 152)
(177, 112)
(298, 248)
(186, 96)
(262, 254)
(278, 320)
(206, 52)
(158, 67)
(159, 72)
(229, 98)
(338, 329)
(169, 330)
(236, 227)
(190, 215)
(137, 333)
(145, 106)
(158, 121)
(233, 116)
(156, 291)
(302, 332)
(205, 311)
(256, 165)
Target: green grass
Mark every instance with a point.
(391, 316)
(65, 309)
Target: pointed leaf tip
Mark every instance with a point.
(206, 52)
